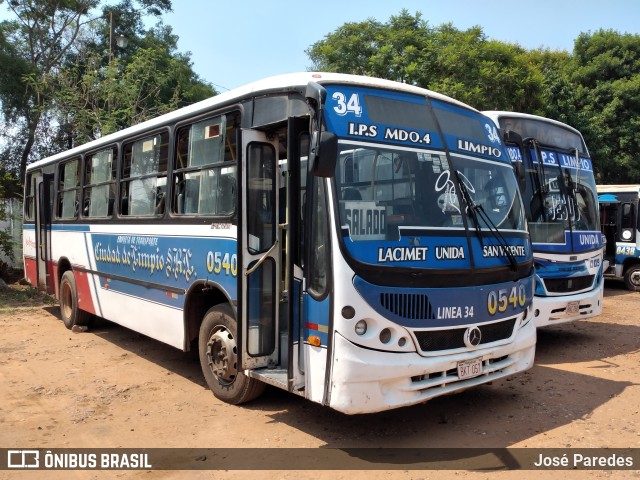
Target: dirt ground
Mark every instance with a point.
(111, 387)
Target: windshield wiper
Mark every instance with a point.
(477, 212)
(471, 206)
(542, 189)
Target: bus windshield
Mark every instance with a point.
(385, 191)
(561, 190)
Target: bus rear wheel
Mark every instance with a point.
(69, 310)
(632, 278)
(219, 358)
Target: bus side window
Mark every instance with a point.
(68, 190)
(99, 184)
(144, 176)
(204, 167)
(30, 198)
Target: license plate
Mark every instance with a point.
(572, 308)
(469, 368)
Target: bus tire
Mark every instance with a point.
(69, 311)
(219, 358)
(632, 278)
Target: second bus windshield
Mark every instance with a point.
(561, 193)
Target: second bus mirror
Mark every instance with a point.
(512, 137)
(325, 154)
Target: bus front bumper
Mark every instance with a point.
(367, 381)
(555, 310)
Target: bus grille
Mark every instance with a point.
(407, 305)
(436, 340)
(567, 285)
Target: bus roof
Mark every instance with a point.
(495, 114)
(618, 188)
(283, 82)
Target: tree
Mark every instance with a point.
(38, 41)
(464, 64)
(607, 82)
(95, 99)
(55, 46)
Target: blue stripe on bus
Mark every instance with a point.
(156, 295)
(60, 227)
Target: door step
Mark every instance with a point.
(276, 377)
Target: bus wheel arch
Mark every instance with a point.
(219, 358)
(199, 299)
(63, 265)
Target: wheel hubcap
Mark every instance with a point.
(635, 278)
(221, 355)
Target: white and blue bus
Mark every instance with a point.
(558, 187)
(620, 220)
(321, 233)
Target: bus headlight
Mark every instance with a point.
(361, 327)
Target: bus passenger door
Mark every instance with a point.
(43, 233)
(297, 152)
(259, 247)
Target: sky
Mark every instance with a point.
(236, 42)
(239, 41)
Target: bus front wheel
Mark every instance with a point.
(219, 358)
(69, 310)
(632, 278)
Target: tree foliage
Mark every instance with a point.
(596, 88)
(463, 64)
(606, 75)
(64, 81)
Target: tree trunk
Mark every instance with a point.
(34, 121)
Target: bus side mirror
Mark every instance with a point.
(512, 137)
(324, 145)
(324, 152)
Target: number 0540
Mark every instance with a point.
(501, 300)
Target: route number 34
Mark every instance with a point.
(344, 105)
(500, 300)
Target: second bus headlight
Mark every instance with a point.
(361, 327)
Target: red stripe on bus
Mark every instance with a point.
(85, 302)
(312, 326)
(31, 271)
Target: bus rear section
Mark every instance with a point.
(557, 183)
(357, 242)
(620, 221)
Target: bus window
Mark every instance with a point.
(99, 184)
(261, 227)
(68, 186)
(204, 168)
(30, 196)
(144, 178)
(320, 260)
